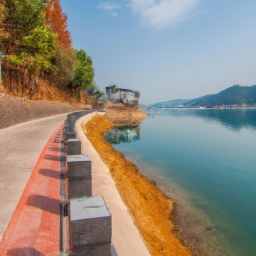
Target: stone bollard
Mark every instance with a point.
(73, 146)
(68, 135)
(69, 132)
(79, 176)
(91, 230)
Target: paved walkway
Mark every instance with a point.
(20, 147)
(34, 228)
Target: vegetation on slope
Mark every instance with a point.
(234, 96)
(37, 50)
(149, 207)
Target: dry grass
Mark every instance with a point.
(44, 91)
(2, 89)
(150, 208)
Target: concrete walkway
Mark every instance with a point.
(34, 229)
(20, 147)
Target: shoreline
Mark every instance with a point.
(125, 235)
(151, 209)
(190, 223)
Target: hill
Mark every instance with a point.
(234, 96)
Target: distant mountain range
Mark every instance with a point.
(234, 96)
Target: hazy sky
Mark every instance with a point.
(167, 49)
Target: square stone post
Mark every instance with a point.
(68, 135)
(91, 229)
(79, 176)
(73, 146)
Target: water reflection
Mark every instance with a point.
(233, 119)
(123, 134)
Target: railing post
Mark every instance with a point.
(90, 226)
(79, 176)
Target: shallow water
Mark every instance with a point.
(204, 159)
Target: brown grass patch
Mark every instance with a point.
(2, 89)
(150, 208)
(44, 91)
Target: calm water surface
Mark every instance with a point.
(205, 160)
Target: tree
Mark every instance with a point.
(37, 50)
(36, 44)
(83, 72)
(65, 60)
(57, 20)
(20, 19)
(65, 57)
(29, 45)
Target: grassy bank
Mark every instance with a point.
(150, 208)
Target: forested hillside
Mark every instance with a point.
(36, 49)
(234, 96)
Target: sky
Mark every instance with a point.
(167, 49)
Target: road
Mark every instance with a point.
(20, 147)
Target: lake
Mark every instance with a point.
(205, 160)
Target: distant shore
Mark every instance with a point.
(216, 107)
